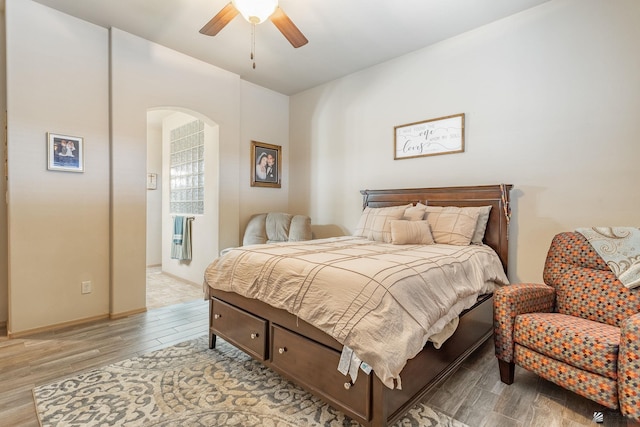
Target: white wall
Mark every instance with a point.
(67, 227)
(58, 225)
(145, 75)
(551, 97)
(154, 197)
(263, 120)
(204, 227)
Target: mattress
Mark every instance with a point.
(381, 300)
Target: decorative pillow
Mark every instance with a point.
(374, 222)
(411, 233)
(415, 213)
(481, 225)
(452, 225)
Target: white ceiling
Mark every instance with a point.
(344, 35)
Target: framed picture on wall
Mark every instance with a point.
(65, 153)
(266, 164)
(444, 135)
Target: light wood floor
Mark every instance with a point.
(45, 357)
(473, 395)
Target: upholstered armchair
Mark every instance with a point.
(275, 227)
(580, 330)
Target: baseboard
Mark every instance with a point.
(56, 326)
(3, 331)
(114, 316)
(182, 279)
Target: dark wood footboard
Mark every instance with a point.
(309, 357)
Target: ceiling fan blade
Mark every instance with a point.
(219, 21)
(288, 28)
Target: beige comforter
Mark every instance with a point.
(382, 300)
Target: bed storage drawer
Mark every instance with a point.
(242, 329)
(306, 362)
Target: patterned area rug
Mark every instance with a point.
(190, 385)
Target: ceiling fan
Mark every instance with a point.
(256, 12)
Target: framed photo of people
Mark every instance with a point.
(65, 153)
(266, 164)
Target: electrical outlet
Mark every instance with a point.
(86, 287)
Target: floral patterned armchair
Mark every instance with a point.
(580, 330)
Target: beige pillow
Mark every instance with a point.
(374, 222)
(411, 233)
(415, 213)
(481, 225)
(452, 225)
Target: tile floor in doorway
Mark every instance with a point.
(164, 289)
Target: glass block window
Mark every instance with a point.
(187, 168)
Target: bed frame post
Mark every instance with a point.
(379, 411)
(212, 336)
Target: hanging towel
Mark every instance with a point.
(619, 247)
(186, 238)
(181, 241)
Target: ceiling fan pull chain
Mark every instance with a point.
(253, 44)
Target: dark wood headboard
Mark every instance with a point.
(497, 234)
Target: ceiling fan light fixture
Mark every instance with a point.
(255, 11)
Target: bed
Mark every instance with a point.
(309, 355)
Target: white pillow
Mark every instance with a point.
(374, 222)
(452, 225)
(415, 213)
(411, 233)
(481, 225)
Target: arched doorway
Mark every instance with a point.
(174, 153)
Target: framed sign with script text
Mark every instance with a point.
(444, 135)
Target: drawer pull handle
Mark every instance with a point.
(254, 336)
(347, 385)
(217, 316)
(282, 350)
